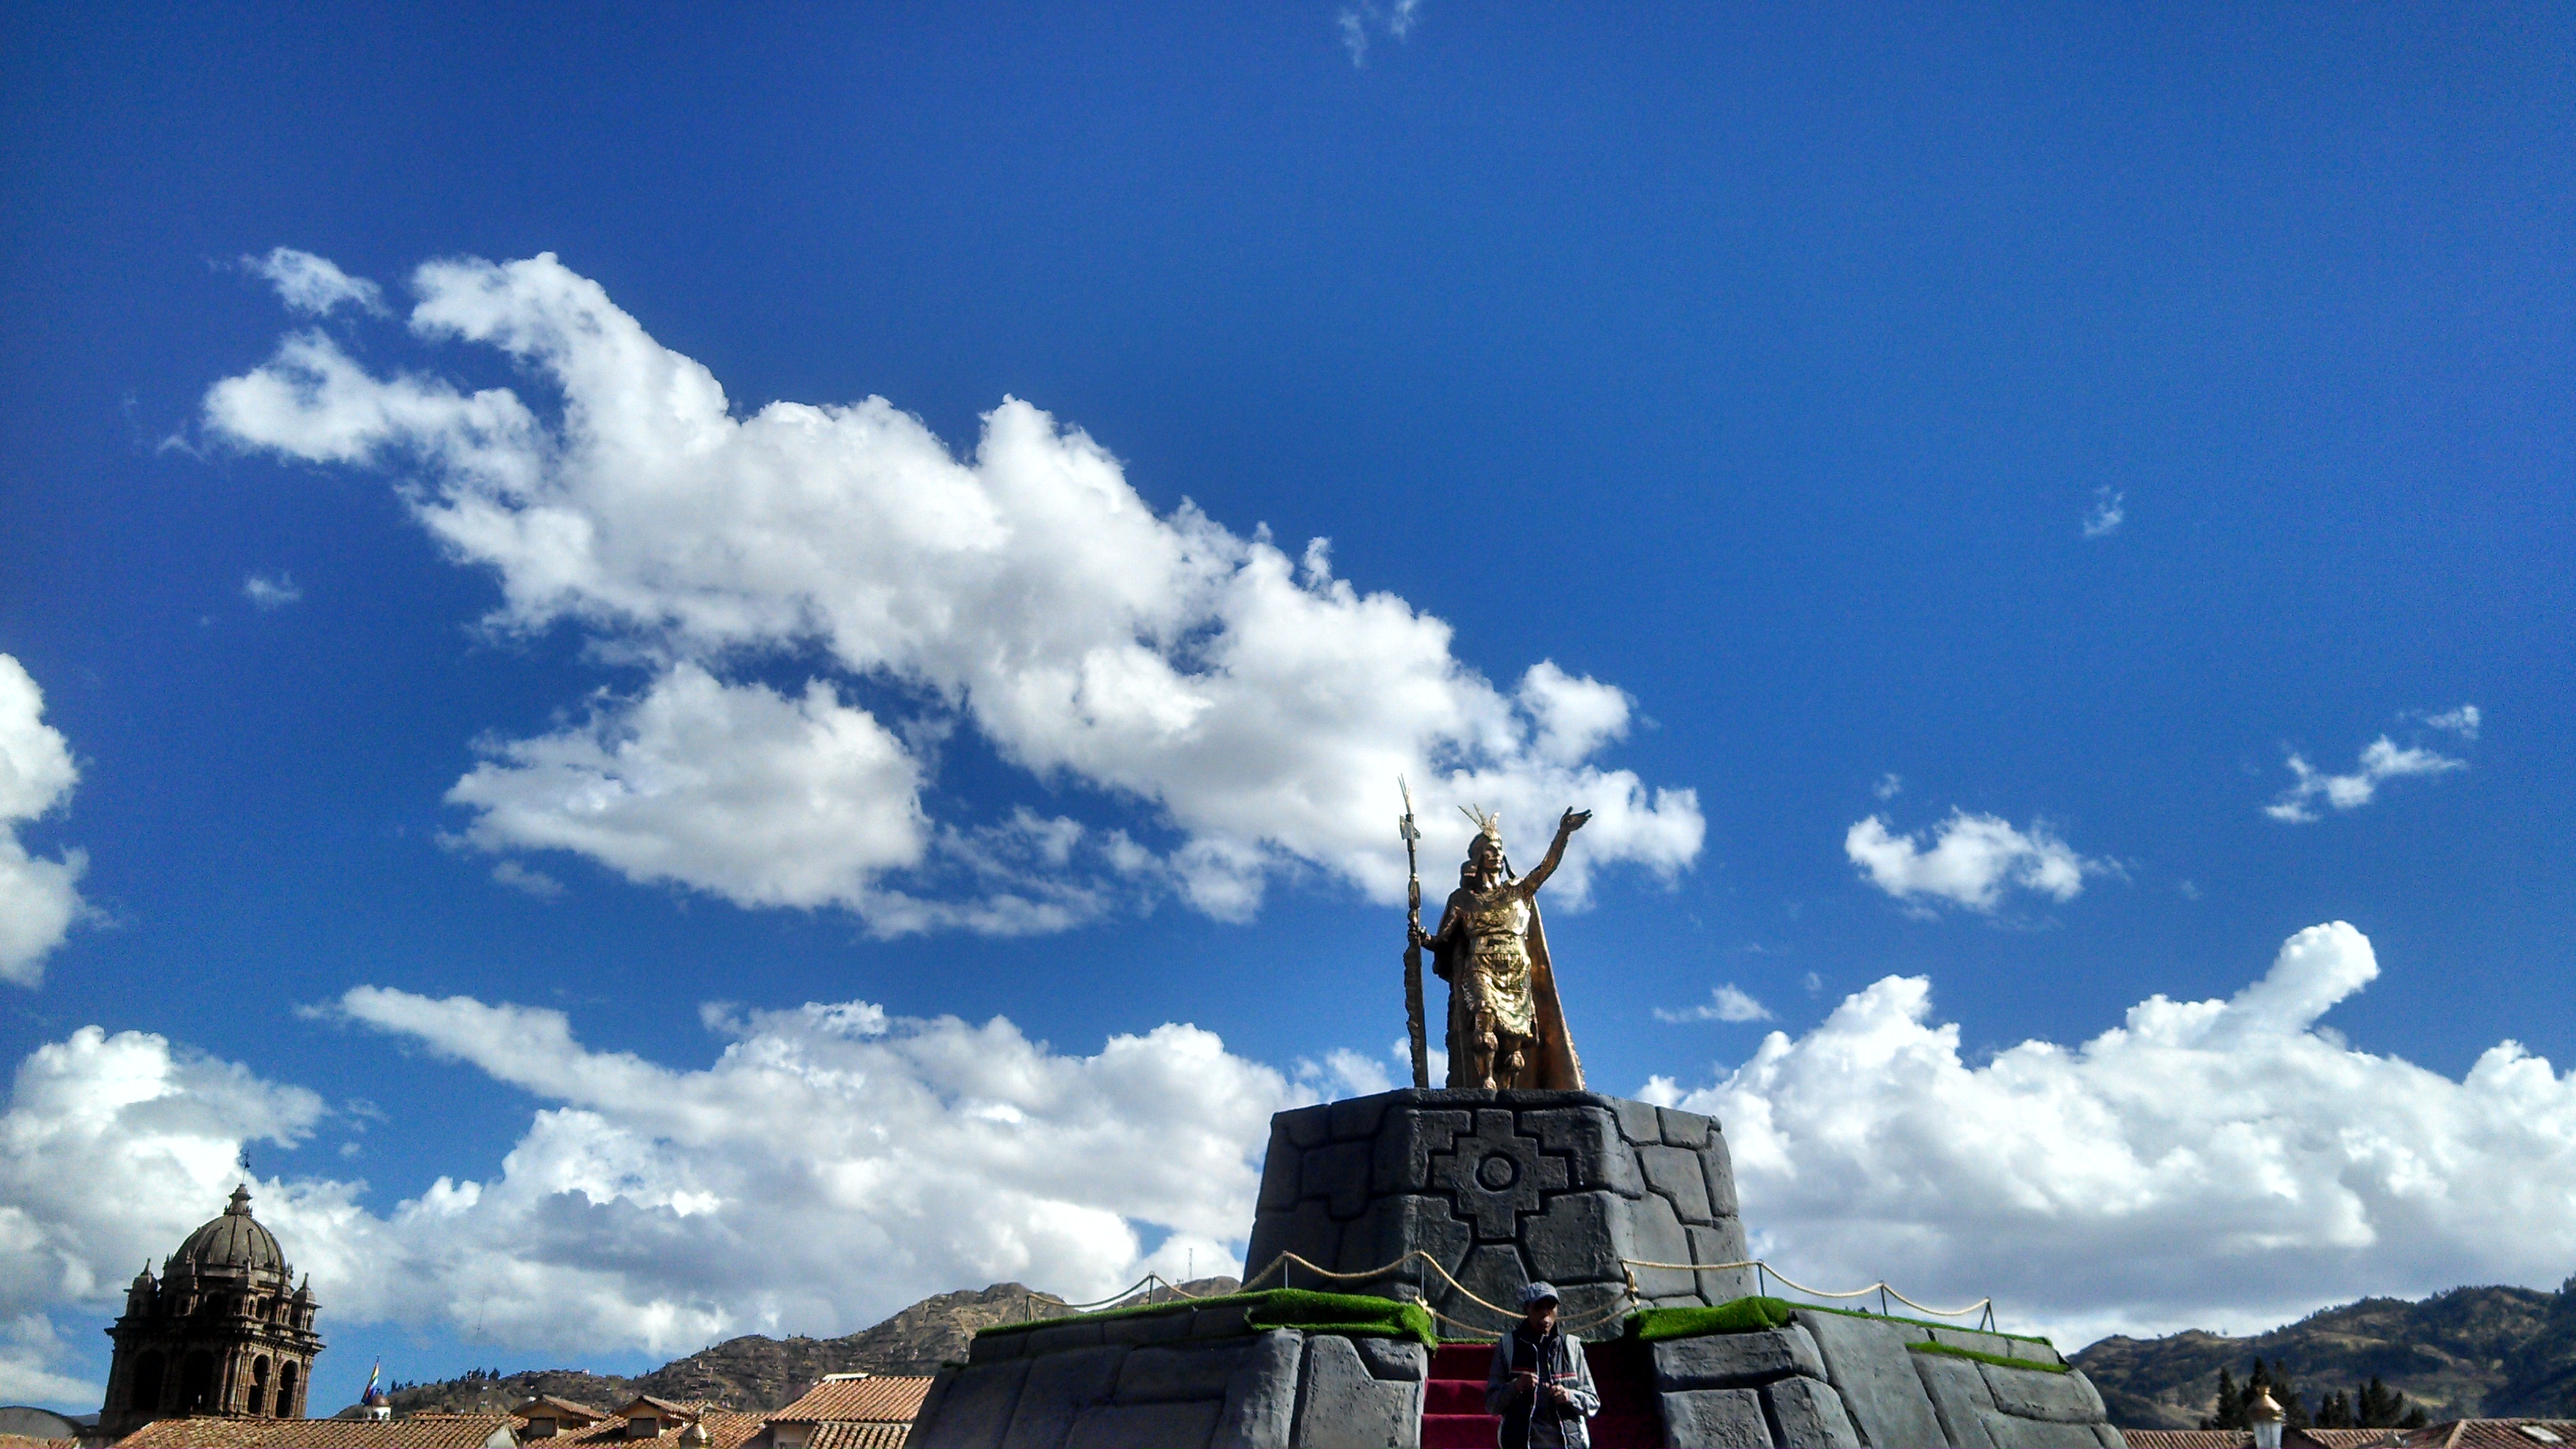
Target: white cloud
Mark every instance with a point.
(1357, 21)
(2203, 1157)
(832, 1165)
(1248, 702)
(29, 1348)
(312, 285)
(1435, 1061)
(1346, 1073)
(533, 882)
(266, 593)
(39, 898)
(111, 1150)
(2107, 513)
(1889, 786)
(2463, 721)
(836, 1162)
(1575, 717)
(1726, 1003)
(1972, 861)
(736, 790)
(2381, 759)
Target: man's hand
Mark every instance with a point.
(1572, 822)
(1525, 1383)
(1558, 1393)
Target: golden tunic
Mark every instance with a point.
(1494, 925)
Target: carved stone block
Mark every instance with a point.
(1564, 1184)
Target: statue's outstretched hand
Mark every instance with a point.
(1572, 822)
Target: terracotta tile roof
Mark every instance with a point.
(843, 1434)
(880, 1399)
(552, 1407)
(725, 1428)
(418, 1431)
(2450, 1434)
(2495, 1434)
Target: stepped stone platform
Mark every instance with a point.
(1178, 1377)
(1847, 1379)
(1500, 1188)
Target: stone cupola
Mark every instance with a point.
(223, 1332)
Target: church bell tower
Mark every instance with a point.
(224, 1332)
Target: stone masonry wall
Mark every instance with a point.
(1501, 1188)
(1831, 1379)
(1182, 1379)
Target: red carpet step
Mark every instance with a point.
(1453, 1409)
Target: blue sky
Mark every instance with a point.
(1923, 477)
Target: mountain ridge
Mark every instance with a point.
(755, 1373)
(2468, 1352)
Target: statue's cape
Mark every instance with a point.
(1560, 1069)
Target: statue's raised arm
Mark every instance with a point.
(1566, 825)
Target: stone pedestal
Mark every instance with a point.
(1501, 1188)
(1176, 1378)
(1840, 1380)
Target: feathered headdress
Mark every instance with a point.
(1488, 826)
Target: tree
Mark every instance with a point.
(2334, 1411)
(2235, 1399)
(2382, 1407)
(2294, 1413)
(2228, 1412)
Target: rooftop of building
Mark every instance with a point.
(2449, 1434)
(725, 1428)
(843, 1434)
(416, 1431)
(850, 1398)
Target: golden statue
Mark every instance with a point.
(1505, 1026)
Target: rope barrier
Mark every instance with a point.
(1983, 1306)
(1632, 1294)
(1881, 1287)
(1280, 1264)
(1146, 1284)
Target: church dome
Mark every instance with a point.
(232, 1243)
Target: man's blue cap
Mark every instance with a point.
(1538, 1293)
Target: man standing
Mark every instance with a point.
(1539, 1382)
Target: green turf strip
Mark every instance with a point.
(1952, 1350)
(1344, 1313)
(1746, 1315)
(1350, 1314)
(1743, 1315)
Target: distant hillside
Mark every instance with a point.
(755, 1373)
(2467, 1352)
